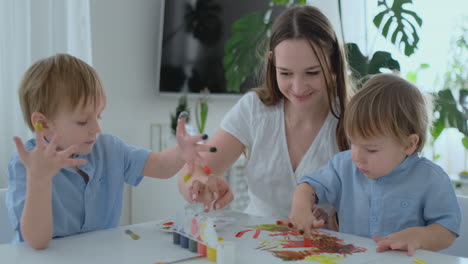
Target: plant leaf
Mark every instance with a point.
(361, 67)
(239, 60)
(402, 22)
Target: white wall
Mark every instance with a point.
(126, 42)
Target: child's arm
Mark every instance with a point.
(433, 237)
(301, 216)
(41, 164)
(167, 163)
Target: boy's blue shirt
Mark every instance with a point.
(416, 193)
(76, 206)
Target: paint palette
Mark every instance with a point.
(165, 225)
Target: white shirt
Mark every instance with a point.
(269, 173)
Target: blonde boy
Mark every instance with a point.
(69, 179)
(382, 188)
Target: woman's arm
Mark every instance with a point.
(199, 187)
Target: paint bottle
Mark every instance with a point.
(226, 252)
(184, 241)
(201, 248)
(211, 252)
(192, 245)
(175, 238)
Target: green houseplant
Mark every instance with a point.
(394, 22)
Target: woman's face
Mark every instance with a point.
(299, 74)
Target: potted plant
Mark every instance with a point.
(250, 31)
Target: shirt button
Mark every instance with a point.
(374, 218)
(404, 204)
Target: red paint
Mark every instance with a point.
(207, 170)
(307, 242)
(168, 223)
(257, 233)
(241, 233)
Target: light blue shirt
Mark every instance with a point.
(416, 193)
(78, 207)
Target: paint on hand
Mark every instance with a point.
(187, 177)
(39, 126)
(207, 170)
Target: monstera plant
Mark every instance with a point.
(394, 22)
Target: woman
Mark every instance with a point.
(289, 126)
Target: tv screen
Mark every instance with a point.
(194, 34)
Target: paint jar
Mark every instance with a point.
(201, 249)
(175, 238)
(210, 253)
(184, 241)
(226, 253)
(192, 245)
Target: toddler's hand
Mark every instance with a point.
(213, 191)
(405, 240)
(44, 161)
(188, 146)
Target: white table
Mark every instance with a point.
(114, 246)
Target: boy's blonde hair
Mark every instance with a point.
(388, 105)
(59, 80)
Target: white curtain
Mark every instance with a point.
(31, 30)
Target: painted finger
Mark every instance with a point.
(193, 140)
(205, 148)
(180, 129)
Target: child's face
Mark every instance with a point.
(378, 156)
(299, 74)
(79, 127)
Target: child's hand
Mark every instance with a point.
(44, 161)
(302, 217)
(212, 191)
(405, 240)
(188, 146)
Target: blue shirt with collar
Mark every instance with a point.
(77, 206)
(416, 193)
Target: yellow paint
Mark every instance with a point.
(326, 259)
(38, 126)
(418, 261)
(187, 177)
(211, 254)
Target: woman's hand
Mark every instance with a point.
(213, 191)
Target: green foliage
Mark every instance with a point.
(401, 21)
(238, 61)
(201, 111)
(181, 107)
(453, 113)
(251, 32)
(361, 66)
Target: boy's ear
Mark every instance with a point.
(40, 118)
(413, 140)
